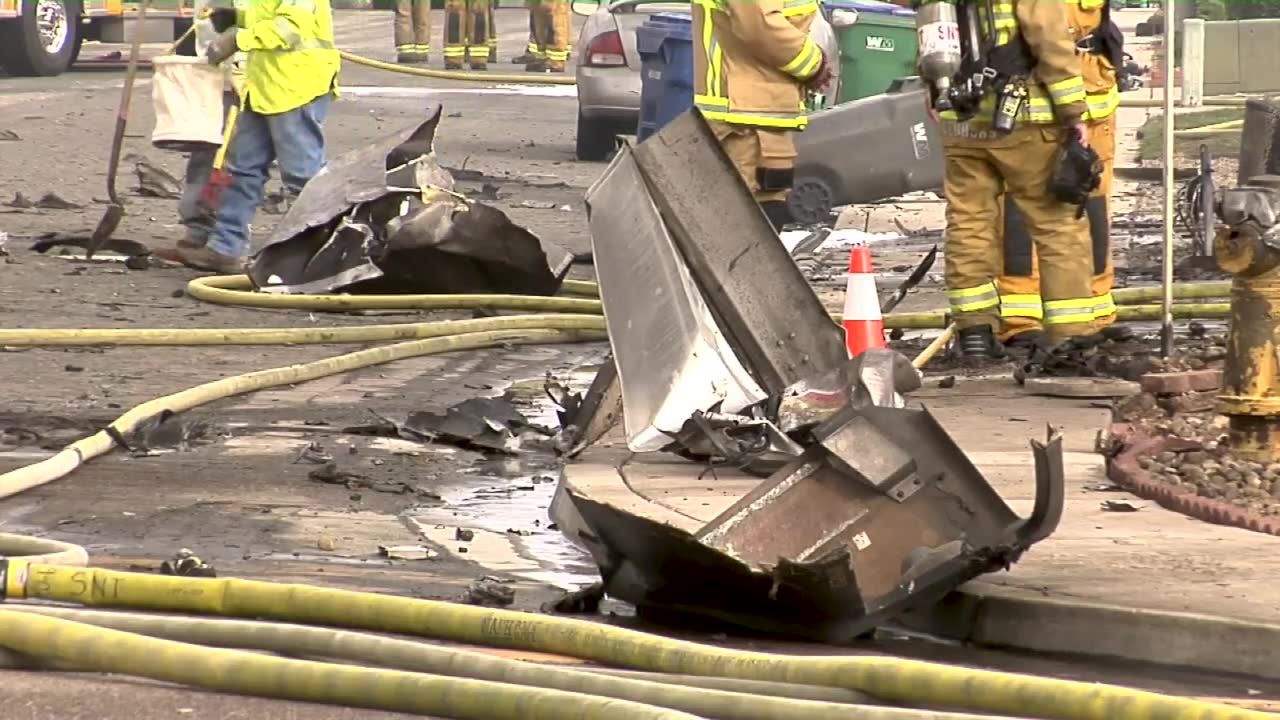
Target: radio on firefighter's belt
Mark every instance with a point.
(1077, 172)
(1010, 100)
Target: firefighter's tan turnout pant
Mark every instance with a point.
(751, 149)
(413, 26)
(1019, 282)
(980, 168)
(551, 28)
(466, 33)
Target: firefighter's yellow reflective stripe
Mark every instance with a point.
(807, 62)
(792, 8)
(1021, 305)
(1104, 306)
(709, 47)
(712, 101)
(422, 48)
(1103, 105)
(481, 49)
(1067, 91)
(455, 51)
(531, 48)
(1063, 312)
(558, 55)
(1037, 109)
(782, 121)
(716, 67)
(972, 299)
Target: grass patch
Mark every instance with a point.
(1151, 134)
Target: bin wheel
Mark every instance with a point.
(810, 200)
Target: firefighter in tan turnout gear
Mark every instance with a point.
(549, 39)
(1010, 144)
(752, 69)
(466, 34)
(1100, 45)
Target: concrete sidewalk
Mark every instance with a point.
(1150, 585)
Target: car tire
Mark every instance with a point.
(595, 139)
(22, 49)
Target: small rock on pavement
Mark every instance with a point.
(326, 544)
(1179, 383)
(490, 592)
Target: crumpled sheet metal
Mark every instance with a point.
(671, 356)
(816, 553)
(385, 218)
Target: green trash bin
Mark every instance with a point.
(876, 49)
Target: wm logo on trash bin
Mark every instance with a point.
(879, 43)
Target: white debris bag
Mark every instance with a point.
(187, 95)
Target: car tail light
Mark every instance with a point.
(605, 50)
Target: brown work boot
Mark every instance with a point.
(205, 259)
(453, 65)
(524, 59)
(479, 66)
(536, 66)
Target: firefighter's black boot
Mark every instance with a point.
(980, 342)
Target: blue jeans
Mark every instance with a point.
(192, 212)
(295, 139)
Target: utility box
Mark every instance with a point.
(1236, 53)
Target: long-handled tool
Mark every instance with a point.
(115, 211)
(219, 179)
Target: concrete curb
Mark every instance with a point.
(1125, 472)
(1002, 617)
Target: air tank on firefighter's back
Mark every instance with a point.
(939, 49)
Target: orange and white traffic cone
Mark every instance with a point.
(863, 325)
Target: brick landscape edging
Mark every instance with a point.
(1124, 470)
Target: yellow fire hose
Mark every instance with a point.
(893, 680)
(379, 651)
(463, 75)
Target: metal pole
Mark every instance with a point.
(1166, 328)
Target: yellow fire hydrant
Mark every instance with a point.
(1248, 247)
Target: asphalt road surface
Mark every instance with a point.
(245, 504)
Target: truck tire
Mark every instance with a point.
(43, 41)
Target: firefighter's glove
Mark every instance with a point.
(223, 20)
(222, 47)
(822, 77)
(1077, 172)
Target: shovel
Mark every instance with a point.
(115, 211)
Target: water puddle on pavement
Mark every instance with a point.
(504, 502)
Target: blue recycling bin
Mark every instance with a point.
(665, 43)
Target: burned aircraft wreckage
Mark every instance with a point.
(385, 218)
(723, 355)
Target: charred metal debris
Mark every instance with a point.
(723, 356)
(386, 218)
